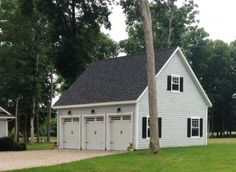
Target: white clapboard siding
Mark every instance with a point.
(175, 108)
(3, 128)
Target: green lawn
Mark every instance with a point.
(40, 146)
(218, 156)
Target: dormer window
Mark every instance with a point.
(175, 83)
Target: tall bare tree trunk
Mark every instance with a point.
(37, 122)
(32, 122)
(212, 124)
(170, 30)
(25, 130)
(50, 107)
(152, 89)
(16, 121)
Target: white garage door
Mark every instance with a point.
(71, 135)
(120, 132)
(94, 133)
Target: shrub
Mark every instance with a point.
(8, 144)
(20, 147)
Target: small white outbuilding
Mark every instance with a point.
(106, 108)
(4, 117)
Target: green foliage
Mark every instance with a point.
(54, 126)
(214, 64)
(43, 127)
(170, 24)
(25, 59)
(40, 39)
(75, 33)
(212, 61)
(211, 158)
(8, 144)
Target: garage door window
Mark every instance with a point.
(90, 119)
(67, 120)
(126, 117)
(115, 118)
(99, 119)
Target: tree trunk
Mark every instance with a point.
(212, 125)
(50, 107)
(208, 128)
(16, 121)
(170, 30)
(25, 130)
(152, 89)
(37, 122)
(223, 127)
(32, 122)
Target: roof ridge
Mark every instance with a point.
(132, 55)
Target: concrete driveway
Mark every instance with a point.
(27, 159)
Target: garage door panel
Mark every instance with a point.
(94, 133)
(120, 132)
(71, 133)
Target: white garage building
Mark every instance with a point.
(4, 117)
(106, 108)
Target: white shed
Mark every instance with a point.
(4, 117)
(106, 108)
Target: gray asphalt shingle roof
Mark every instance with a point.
(111, 80)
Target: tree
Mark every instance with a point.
(152, 89)
(24, 60)
(213, 62)
(75, 33)
(170, 24)
(35, 23)
(34, 49)
(14, 71)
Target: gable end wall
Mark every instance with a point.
(174, 108)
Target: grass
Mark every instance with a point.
(40, 146)
(218, 156)
(222, 141)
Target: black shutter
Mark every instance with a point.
(144, 132)
(189, 127)
(159, 126)
(181, 84)
(168, 82)
(201, 127)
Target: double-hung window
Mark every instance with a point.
(146, 127)
(195, 127)
(175, 83)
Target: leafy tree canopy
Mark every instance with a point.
(75, 33)
(170, 24)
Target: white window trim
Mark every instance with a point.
(175, 91)
(195, 137)
(147, 137)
